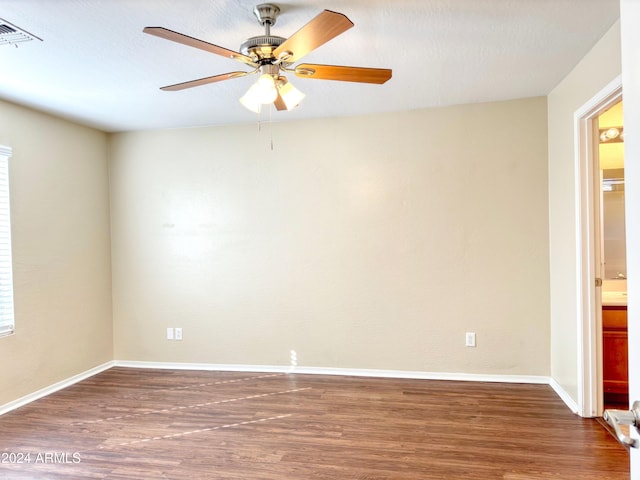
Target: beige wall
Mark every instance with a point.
(364, 242)
(61, 251)
(599, 67)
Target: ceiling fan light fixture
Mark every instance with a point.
(250, 101)
(266, 89)
(262, 92)
(290, 95)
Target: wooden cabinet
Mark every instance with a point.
(615, 369)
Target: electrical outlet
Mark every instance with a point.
(178, 332)
(169, 333)
(470, 339)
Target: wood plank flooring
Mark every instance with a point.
(167, 424)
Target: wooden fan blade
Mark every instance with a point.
(201, 44)
(345, 74)
(317, 32)
(203, 81)
(279, 103)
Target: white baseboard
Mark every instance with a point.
(43, 392)
(466, 377)
(562, 393)
(203, 366)
(348, 372)
(351, 372)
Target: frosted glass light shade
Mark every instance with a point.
(291, 96)
(250, 100)
(262, 92)
(266, 89)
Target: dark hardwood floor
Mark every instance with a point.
(168, 424)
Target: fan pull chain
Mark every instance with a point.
(271, 125)
(260, 120)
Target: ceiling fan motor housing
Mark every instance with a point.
(261, 48)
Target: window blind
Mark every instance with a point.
(6, 272)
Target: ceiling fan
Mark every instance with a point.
(272, 56)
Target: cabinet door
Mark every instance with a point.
(615, 368)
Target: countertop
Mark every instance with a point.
(610, 299)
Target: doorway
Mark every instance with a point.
(612, 257)
(590, 246)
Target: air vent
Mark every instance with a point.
(11, 35)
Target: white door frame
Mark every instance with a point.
(589, 302)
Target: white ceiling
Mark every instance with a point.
(95, 65)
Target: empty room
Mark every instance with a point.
(319, 240)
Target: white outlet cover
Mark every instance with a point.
(470, 339)
(178, 333)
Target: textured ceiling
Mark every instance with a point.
(95, 65)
